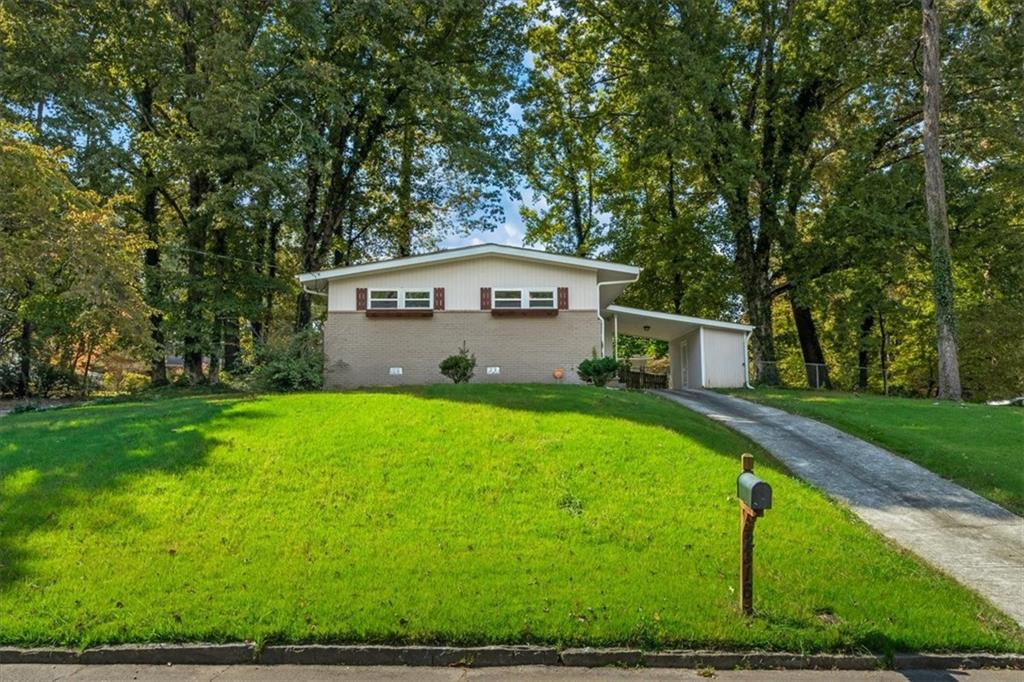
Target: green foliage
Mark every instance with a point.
(579, 517)
(125, 382)
(459, 367)
(598, 371)
(68, 267)
(290, 362)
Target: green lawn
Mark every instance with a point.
(453, 514)
(979, 446)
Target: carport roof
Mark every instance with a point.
(664, 326)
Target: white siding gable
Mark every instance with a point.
(463, 279)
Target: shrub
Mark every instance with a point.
(459, 367)
(124, 382)
(290, 363)
(598, 371)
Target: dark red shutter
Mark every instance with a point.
(360, 299)
(485, 298)
(563, 298)
(438, 298)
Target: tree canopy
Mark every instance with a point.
(168, 167)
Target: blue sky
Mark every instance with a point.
(510, 232)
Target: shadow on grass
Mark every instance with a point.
(54, 461)
(588, 401)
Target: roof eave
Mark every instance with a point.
(468, 252)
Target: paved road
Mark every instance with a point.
(291, 673)
(976, 541)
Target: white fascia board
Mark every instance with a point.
(469, 252)
(669, 317)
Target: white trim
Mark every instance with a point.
(746, 360)
(600, 316)
(469, 252)
(668, 317)
(524, 298)
(400, 301)
(703, 364)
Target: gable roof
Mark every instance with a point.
(613, 270)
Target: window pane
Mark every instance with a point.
(384, 299)
(384, 294)
(416, 303)
(384, 303)
(542, 298)
(508, 298)
(417, 294)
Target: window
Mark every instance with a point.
(524, 298)
(401, 299)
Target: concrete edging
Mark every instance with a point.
(485, 656)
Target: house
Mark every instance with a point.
(527, 316)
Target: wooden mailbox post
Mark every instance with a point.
(755, 498)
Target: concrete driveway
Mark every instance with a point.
(976, 541)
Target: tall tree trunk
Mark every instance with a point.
(216, 343)
(755, 277)
(810, 346)
(883, 354)
(153, 283)
(311, 246)
(405, 228)
(232, 343)
(24, 360)
(673, 216)
(938, 221)
(261, 324)
(757, 292)
(863, 357)
(195, 239)
(192, 339)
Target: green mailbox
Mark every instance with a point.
(753, 492)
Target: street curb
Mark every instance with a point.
(488, 656)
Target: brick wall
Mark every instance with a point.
(360, 350)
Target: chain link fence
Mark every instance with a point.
(823, 376)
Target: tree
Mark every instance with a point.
(65, 259)
(560, 139)
(938, 221)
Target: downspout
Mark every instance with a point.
(599, 315)
(746, 360)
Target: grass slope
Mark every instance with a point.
(979, 446)
(456, 514)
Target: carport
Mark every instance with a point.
(702, 353)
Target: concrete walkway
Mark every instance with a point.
(293, 673)
(976, 541)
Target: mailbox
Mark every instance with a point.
(753, 492)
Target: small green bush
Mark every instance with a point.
(459, 367)
(598, 371)
(126, 382)
(290, 363)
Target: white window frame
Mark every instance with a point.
(524, 298)
(401, 302)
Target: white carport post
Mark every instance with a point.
(615, 336)
(703, 364)
(675, 363)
